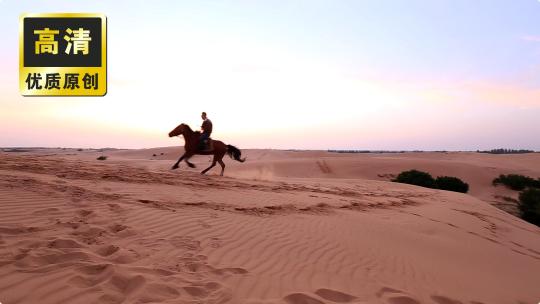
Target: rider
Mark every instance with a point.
(206, 130)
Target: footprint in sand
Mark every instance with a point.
(196, 291)
(444, 300)
(301, 298)
(40, 263)
(127, 284)
(230, 270)
(334, 295)
(115, 208)
(215, 242)
(111, 299)
(396, 296)
(186, 242)
(85, 213)
(204, 224)
(47, 211)
(107, 250)
(90, 235)
(64, 243)
(157, 293)
(115, 228)
(402, 300)
(211, 292)
(17, 230)
(126, 256)
(95, 269)
(92, 275)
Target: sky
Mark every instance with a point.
(364, 74)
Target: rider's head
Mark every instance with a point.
(203, 115)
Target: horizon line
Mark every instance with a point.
(290, 149)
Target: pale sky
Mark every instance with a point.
(365, 74)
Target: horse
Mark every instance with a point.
(219, 149)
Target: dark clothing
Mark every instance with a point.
(205, 135)
(207, 126)
(203, 141)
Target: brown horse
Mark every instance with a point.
(219, 149)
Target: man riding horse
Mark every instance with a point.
(206, 130)
(195, 144)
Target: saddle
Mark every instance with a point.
(206, 145)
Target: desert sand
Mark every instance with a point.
(284, 227)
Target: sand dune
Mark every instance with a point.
(477, 169)
(285, 227)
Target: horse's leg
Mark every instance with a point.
(187, 161)
(178, 162)
(211, 166)
(222, 164)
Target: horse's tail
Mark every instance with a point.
(235, 153)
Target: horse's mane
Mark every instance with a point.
(190, 130)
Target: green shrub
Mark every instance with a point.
(529, 205)
(424, 179)
(516, 182)
(451, 183)
(415, 177)
(102, 157)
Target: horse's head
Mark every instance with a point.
(178, 130)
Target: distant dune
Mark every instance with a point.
(283, 227)
(477, 169)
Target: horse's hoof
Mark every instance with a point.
(174, 167)
(191, 165)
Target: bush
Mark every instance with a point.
(451, 183)
(529, 205)
(424, 179)
(415, 177)
(516, 182)
(506, 151)
(102, 158)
